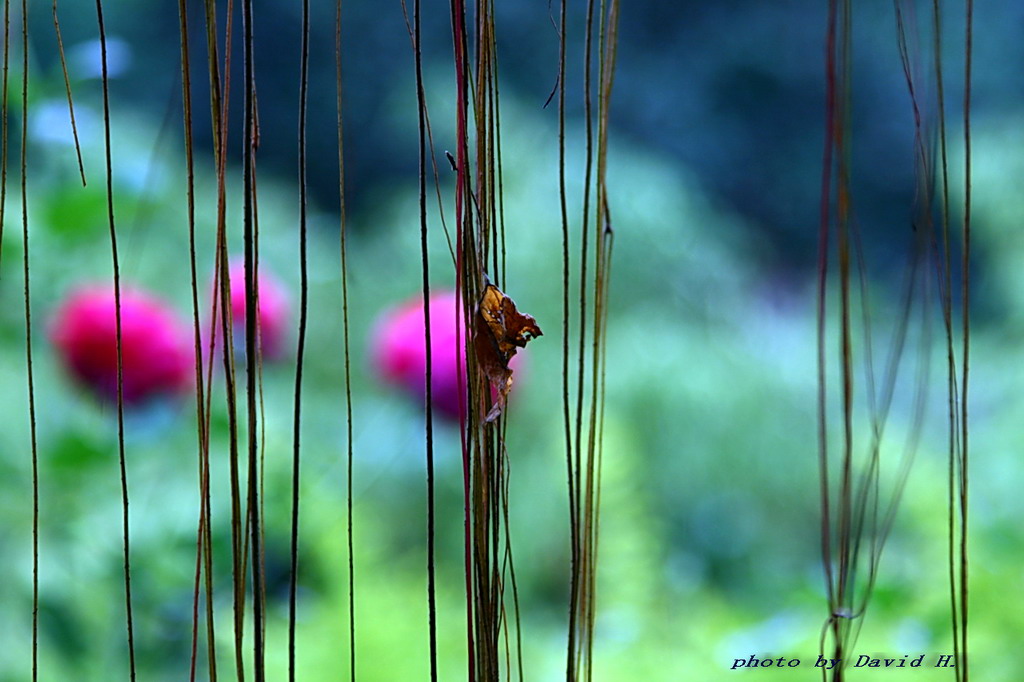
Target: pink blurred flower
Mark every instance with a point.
(400, 351)
(273, 311)
(157, 353)
(400, 357)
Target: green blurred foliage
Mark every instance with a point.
(709, 545)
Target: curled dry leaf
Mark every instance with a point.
(500, 330)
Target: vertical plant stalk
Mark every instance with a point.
(67, 90)
(29, 373)
(487, 546)
(479, 255)
(961, 591)
(504, 559)
(584, 481)
(463, 216)
(945, 282)
(204, 549)
(220, 91)
(836, 97)
(350, 448)
(301, 351)
(571, 461)
(857, 510)
(428, 341)
(261, 408)
(4, 96)
(254, 522)
(120, 360)
(583, 423)
(603, 239)
(957, 386)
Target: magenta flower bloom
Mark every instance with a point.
(156, 349)
(400, 351)
(273, 311)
